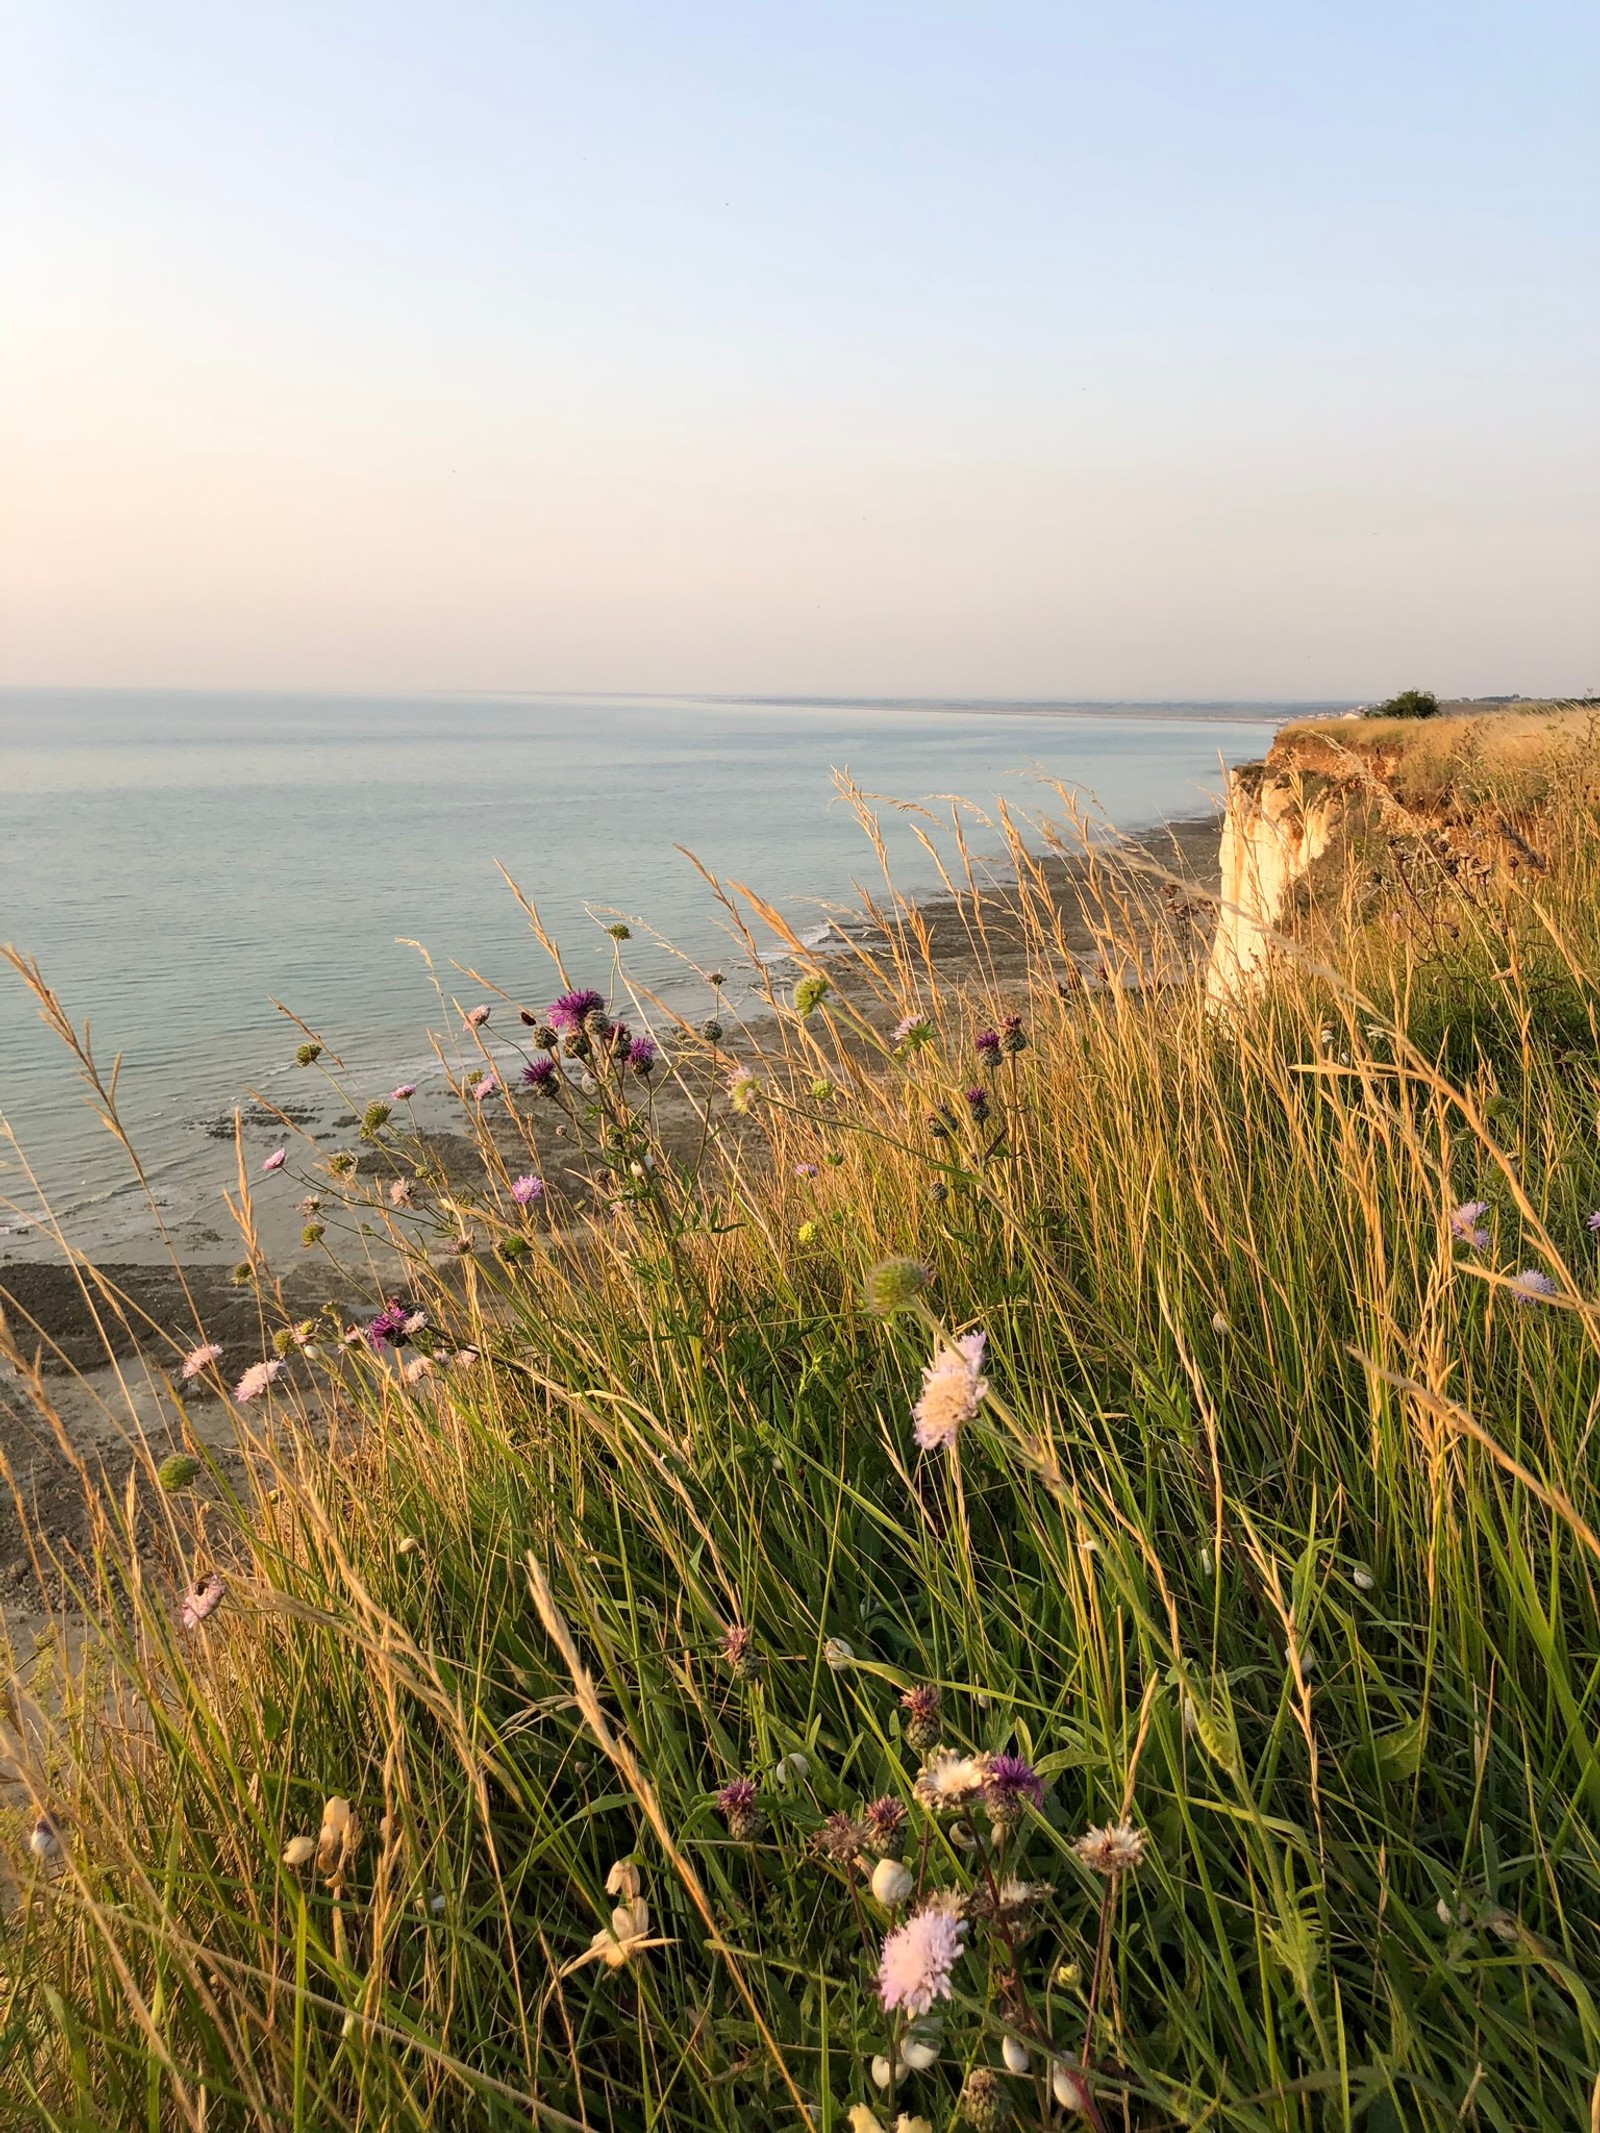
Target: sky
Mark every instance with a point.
(1164, 348)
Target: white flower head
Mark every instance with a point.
(953, 1388)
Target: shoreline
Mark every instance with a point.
(84, 1339)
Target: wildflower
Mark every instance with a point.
(984, 2103)
(403, 1093)
(476, 1017)
(241, 1275)
(840, 1838)
(837, 1654)
(417, 1369)
(393, 1326)
(256, 1380)
(949, 1779)
(642, 1055)
(464, 1358)
(807, 1170)
(310, 1205)
(1015, 2054)
(1362, 1579)
(44, 1839)
(1111, 1850)
(299, 1851)
(987, 1046)
(337, 1839)
(882, 2072)
(202, 1598)
(620, 932)
(807, 1232)
(402, 1192)
(743, 1088)
(597, 1024)
(276, 1160)
(952, 1389)
(894, 1285)
(489, 1084)
(1010, 1904)
(917, 2054)
(1592, 1222)
(892, 1883)
(885, 1820)
(863, 2119)
(921, 1706)
(715, 977)
(739, 1803)
(1221, 1324)
(541, 1075)
(977, 1102)
(914, 1968)
(1464, 1224)
(738, 1649)
(308, 1055)
(905, 2123)
(1531, 1283)
(1011, 1782)
(199, 1359)
(911, 1032)
(1013, 1037)
(177, 1472)
(373, 1120)
(461, 1245)
(711, 1031)
(313, 1234)
(511, 1248)
(573, 1009)
(525, 1190)
(343, 1163)
(941, 1122)
(810, 993)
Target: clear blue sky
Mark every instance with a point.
(1132, 349)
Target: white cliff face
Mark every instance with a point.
(1270, 837)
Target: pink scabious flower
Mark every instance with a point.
(199, 1359)
(276, 1160)
(1464, 1224)
(569, 1011)
(476, 1017)
(1592, 1222)
(525, 1190)
(403, 1093)
(256, 1379)
(1532, 1282)
(202, 1599)
(486, 1087)
(952, 1389)
(914, 1969)
(806, 1170)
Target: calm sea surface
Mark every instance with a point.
(176, 862)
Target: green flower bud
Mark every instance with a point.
(894, 1285)
(177, 1472)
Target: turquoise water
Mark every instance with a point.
(176, 862)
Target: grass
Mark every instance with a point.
(1275, 1538)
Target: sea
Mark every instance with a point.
(177, 863)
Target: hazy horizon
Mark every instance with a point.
(1025, 353)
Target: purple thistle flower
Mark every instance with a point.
(806, 1170)
(541, 1074)
(391, 1327)
(740, 1804)
(641, 1055)
(1013, 1778)
(1464, 1227)
(527, 1189)
(569, 1011)
(988, 1047)
(977, 1104)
